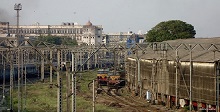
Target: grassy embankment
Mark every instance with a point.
(41, 98)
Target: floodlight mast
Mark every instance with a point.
(17, 7)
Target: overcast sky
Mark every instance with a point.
(118, 15)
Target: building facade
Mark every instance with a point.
(87, 34)
(123, 37)
(4, 29)
(120, 37)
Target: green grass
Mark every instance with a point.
(41, 98)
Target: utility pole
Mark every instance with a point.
(42, 67)
(177, 61)
(90, 44)
(88, 63)
(3, 90)
(22, 77)
(190, 79)
(93, 98)
(19, 80)
(153, 79)
(73, 83)
(138, 72)
(68, 85)
(139, 77)
(74, 94)
(59, 95)
(80, 60)
(51, 69)
(11, 80)
(96, 60)
(217, 87)
(114, 62)
(25, 87)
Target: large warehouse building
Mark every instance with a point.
(177, 72)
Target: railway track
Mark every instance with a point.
(125, 101)
(130, 103)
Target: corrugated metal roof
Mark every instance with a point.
(203, 50)
(196, 40)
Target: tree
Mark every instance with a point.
(69, 41)
(170, 30)
(58, 40)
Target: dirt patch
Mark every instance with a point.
(115, 104)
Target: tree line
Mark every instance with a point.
(57, 40)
